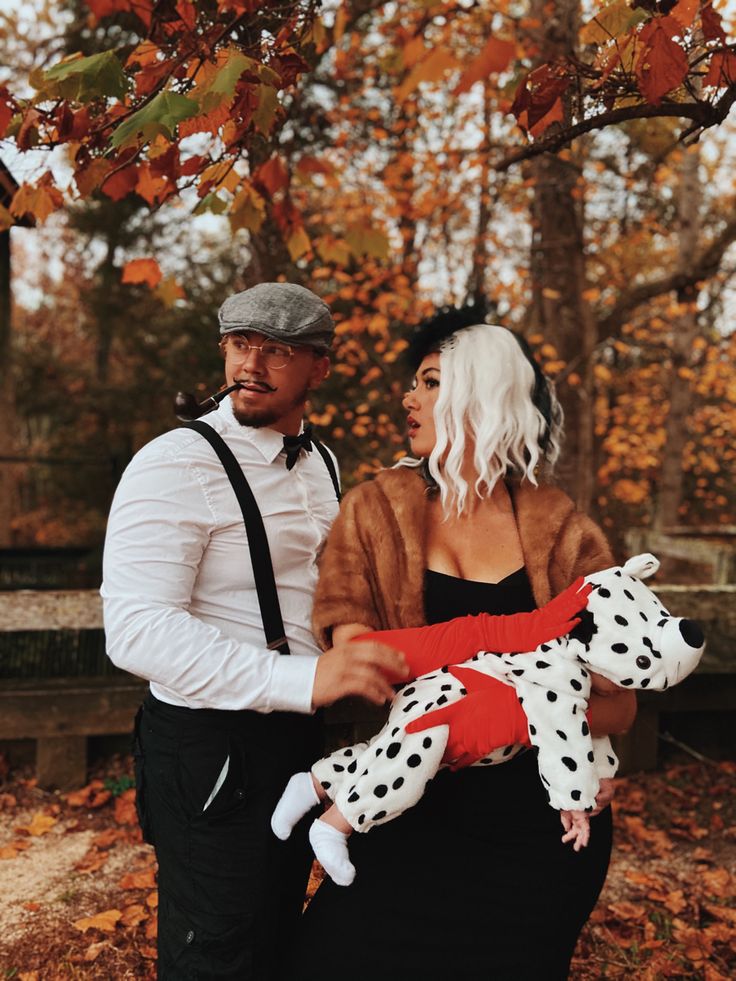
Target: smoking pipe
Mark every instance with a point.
(187, 408)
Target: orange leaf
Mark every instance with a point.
(6, 109)
(106, 921)
(142, 271)
(152, 189)
(38, 201)
(662, 64)
(722, 70)
(91, 862)
(144, 879)
(135, 914)
(431, 69)
(186, 10)
(555, 115)
(40, 824)
(494, 58)
(272, 175)
(685, 11)
(121, 183)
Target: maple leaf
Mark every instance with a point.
(40, 824)
(106, 921)
(610, 22)
(248, 210)
(272, 175)
(169, 290)
(221, 87)
(685, 11)
(366, 240)
(712, 24)
(721, 71)
(37, 200)
(84, 79)
(264, 115)
(494, 58)
(144, 879)
(298, 243)
(142, 271)
(662, 64)
(7, 110)
(162, 115)
(431, 69)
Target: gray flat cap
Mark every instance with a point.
(283, 311)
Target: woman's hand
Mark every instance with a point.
(605, 795)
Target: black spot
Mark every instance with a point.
(532, 730)
(627, 681)
(338, 767)
(561, 734)
(628, 595)
(445, 669)
(463, 691)
(353, 766)
(644, 617)
(508, 751)
(574, 683)
(605, 593)
(618, 573)
(379, 751)
(393, 750)
(521, 700)
(645, 683)
(643, 662)
(542, 664)
(545, 648)
(446, 688)
(611, 760)
(591, 757)
(348, 752)
(428, 706)
(364, 773)
(544, 779)
(410, 706)
(379, 816)
(589, 808)
(442, 699)
(583, 672)
(662, 623)
(361, 819)
(426, 742)
(352, 798)
(585, 630)
(410, 691)
(575, 794)
(398, 782)
(381, 790)
(585, 728)
(570, 763)
(656, 654)
(414, 760)
(619, 648)
(621, 621)
(646, 642)
(326, 784)
(551, 696)
(394, 730)
(518, 672)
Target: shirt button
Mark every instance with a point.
(189, 937)
(240, 793)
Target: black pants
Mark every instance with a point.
(230, 893)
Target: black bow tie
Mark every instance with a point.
(293, 445)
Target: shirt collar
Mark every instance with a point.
(268, 442)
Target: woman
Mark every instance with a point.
(474, 882)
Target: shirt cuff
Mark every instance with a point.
(292, 683)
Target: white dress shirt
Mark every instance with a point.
(179, 597)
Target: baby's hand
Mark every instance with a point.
(577, 828)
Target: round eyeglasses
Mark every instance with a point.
(274, 355)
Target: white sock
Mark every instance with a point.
(298, 798)
(331, 849)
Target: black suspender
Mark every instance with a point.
(268, 598)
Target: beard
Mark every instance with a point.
(258, 418)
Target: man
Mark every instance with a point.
(228, 719)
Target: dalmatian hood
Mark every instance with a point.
(626, 634)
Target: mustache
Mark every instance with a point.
(243, 382)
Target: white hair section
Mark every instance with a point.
(486, 383)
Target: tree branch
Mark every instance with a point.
(703, 115)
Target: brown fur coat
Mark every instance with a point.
(372, 567)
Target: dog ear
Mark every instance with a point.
(641, 566)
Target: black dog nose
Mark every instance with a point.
(691, 633)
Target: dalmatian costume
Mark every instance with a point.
(625, 635)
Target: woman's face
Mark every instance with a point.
(419, 403)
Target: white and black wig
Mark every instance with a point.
(493, 392)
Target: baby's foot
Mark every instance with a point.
(298, 798)
(331, 849)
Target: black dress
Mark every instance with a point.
(473, 882)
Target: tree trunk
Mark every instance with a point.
(559, 310)
(8, 487)
(685, 330)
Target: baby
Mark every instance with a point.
(625, 636)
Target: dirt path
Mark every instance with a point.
(79, 897)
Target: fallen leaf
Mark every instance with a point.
(107, 839)
(144, 879)
(125, 812)
(91, 862)
(142, 271)
(628, 911)
(724, 913)
(32, 907)
(717, 882)
(106, 921)
(40, 824)
(134, 914)
(152, 899)
(94, 950)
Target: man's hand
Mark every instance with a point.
(358, 667)
(605, 795)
